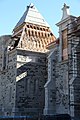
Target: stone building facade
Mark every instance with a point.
(31, 77)
(74, 67)
(32, 34)
(7, 76)
(62, 88)
(40, 74)
(26, 79)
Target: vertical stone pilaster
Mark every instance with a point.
(50, 86)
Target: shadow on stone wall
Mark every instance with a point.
(76, 85)
(30, 89)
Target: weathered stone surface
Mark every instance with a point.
(62, 96)
(66, 72)
(30, 86)
(7, 77)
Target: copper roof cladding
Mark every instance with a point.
(32, 15)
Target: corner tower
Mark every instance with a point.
(33, 35)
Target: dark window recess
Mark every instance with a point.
(16, 42)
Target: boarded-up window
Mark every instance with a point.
(64, 45)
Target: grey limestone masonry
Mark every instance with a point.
(74, 73)
(50, 93)
(23, 75)
(7, 77)
(31, 77)
(32, 82)
(62, 96)
(56, 88)
(66, 79)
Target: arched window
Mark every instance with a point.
(34, 27)
(29, 32)
(27, 26)
(35, 33)
(37, 28)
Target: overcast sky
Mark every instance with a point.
(12, 10)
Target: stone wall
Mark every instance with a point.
(31, 77)
(57, 87)
(76, 84)
(62, 88)
(7, 78)
(74, 70)
(50, 86)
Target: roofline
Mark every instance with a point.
(64, 20)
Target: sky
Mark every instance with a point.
(12, 10)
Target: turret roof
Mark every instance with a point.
(32, 15)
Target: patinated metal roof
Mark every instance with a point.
(32, 15)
